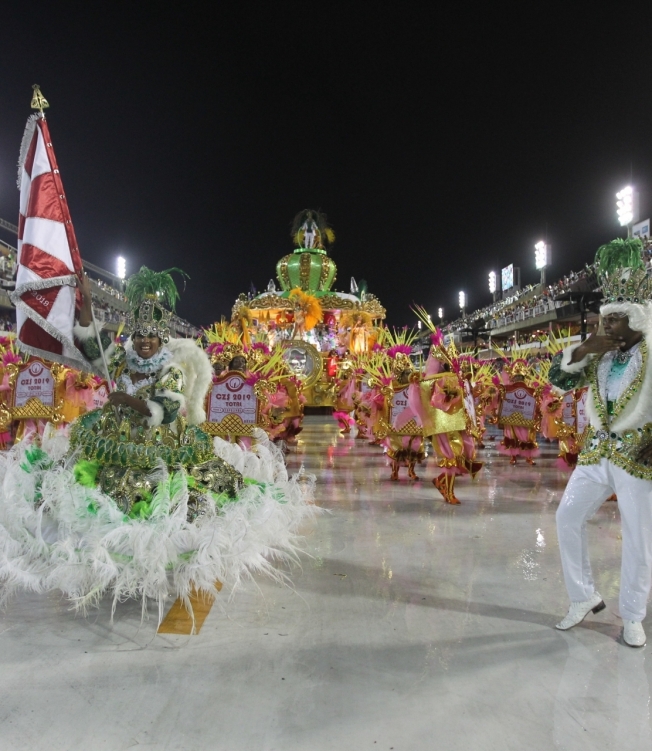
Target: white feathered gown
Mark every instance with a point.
(56, 534)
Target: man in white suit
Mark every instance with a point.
(617, 457)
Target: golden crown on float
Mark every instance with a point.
(310, 269)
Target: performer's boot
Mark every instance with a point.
(440, 483)
(452, 499)
(395, 466)
(445, 484)
(411, 473)
(512, 460)
(613, 497)
(530, 461)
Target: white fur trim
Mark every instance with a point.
(156, 414)
(573, 367)
(84, 332)
(197, 370)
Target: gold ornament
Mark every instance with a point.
(39, 102)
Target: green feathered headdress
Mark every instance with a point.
(160, 284)
(611, 258)
(152, 297)
(622, 272)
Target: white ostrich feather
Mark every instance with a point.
(78, 541)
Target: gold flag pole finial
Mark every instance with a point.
(39, 102)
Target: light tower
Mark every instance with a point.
(542, 259)
(462, 301)
(627, 207)
(121, 268)
(440, 315)
(492, 284)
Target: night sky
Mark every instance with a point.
(441, 144)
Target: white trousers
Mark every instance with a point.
(586, 491)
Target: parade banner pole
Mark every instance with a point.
(103, 353)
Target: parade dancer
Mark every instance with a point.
(519, 440)
(617, 456)
(438, 400)
(140, 499)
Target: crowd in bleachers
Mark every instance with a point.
(7, 265)
(529, 302)
(110, 290)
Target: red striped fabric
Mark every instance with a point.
(48, 255)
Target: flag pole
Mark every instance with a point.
(103, 353)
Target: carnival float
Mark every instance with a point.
(315, 325)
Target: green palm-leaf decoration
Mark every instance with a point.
(617, 255)
(158, 283)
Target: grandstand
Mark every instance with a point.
(109, 303)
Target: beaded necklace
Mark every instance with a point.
(148, 365)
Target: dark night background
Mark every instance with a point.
(442, 144)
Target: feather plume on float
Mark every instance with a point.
(404, 337)
(273, 368)
(315, 222)
(223, 333)
(378, 370)
(309, 305)
(351, 318)
(422, 314)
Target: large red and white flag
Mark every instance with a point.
(48, 256)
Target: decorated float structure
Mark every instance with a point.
(314, 323)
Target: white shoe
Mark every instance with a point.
(579, 610)
(633, 634)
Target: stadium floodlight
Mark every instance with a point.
(440, 314)
(492, 282)
(121, 266)
(541, 259)
(462, 299)
(625, 205)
